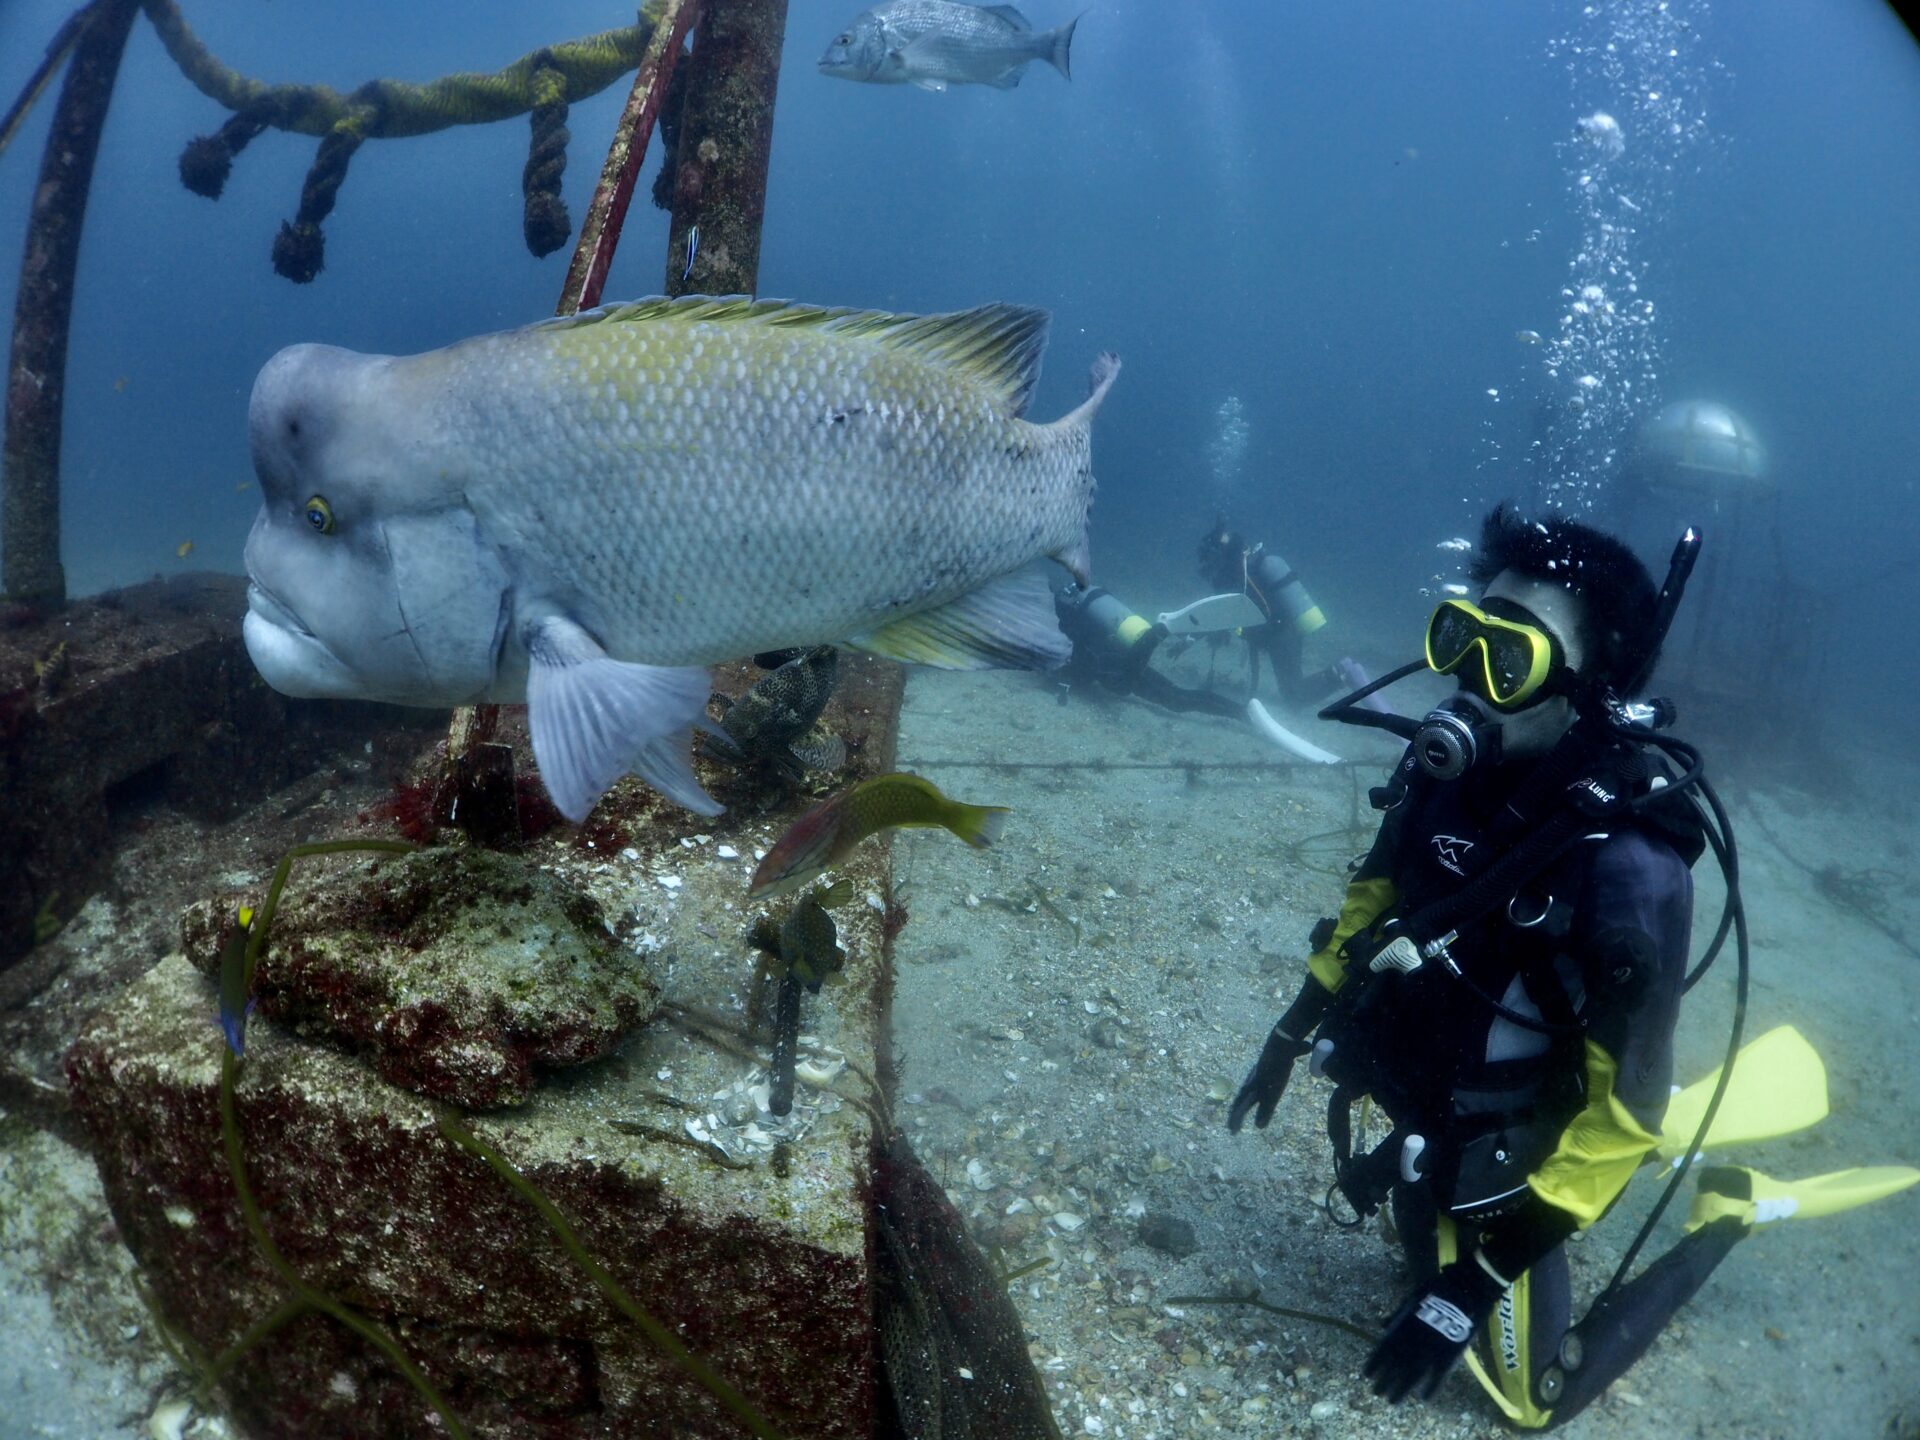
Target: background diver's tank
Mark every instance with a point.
(1746, 629)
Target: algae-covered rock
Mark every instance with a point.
(456, 972)
(760, 1270)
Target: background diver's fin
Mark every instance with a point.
(1779, 1086)
(1756, 1199)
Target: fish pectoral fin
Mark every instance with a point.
(594, 718)
(1006, 624)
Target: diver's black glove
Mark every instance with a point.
(1267, 1081)
(1290, 1038)
(1431, 1331)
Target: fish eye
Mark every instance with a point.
(320, 514)
(844, 40)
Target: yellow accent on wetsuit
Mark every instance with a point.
(1598, 1151)
(1367, 900)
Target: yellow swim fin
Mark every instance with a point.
(1778, 1086)
(1757, 1199)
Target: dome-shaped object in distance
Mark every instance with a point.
(1701, 446)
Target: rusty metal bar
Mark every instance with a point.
(600, 231)
(30, 568)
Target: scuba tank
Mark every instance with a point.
(1096, 619)
(1278, 591)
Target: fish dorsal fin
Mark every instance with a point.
(998, 346)
(1012, 16)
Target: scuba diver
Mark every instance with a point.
(1228, 563)
(1505, 976)
(1114, 646)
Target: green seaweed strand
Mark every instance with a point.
(284, 1313)
(366, 1329)
(669, 1343)
(1314, 1316)
(305, 1296)
(261, 922)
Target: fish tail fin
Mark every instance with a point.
(978, 825)
(1100, 378)
(1055, 46)
(1078, 556)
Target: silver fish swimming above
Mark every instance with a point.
(936, 43)
(693, 249)
(586, 512)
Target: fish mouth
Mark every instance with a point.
(288, 655)
(272, 610)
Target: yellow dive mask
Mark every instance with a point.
(1516, 659)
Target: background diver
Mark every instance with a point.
(1114, 647)
(1504, 979)
(1228, 563)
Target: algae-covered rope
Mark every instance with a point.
(588, 65)
(545, 222)
(541, 84)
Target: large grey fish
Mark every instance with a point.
(584, 512)
(934, 43)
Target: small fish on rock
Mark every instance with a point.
(236, 1003)
(935, 43)
(828, 833)
(777, 719)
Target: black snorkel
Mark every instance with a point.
(1349, 711)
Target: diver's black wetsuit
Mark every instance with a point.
(1290, 613)
(1115, 647)
(1527, 1135)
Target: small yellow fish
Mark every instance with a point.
(828, 833)
(183, 549)
(120, 384)
(243, 487)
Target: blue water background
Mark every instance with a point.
(1340, 213)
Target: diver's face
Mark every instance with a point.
(1532, 728)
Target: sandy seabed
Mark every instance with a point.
(1075, 1007)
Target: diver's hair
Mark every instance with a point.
(1617, 595)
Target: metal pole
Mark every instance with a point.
(726, 138)
(30, 569)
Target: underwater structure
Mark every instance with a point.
(462, 1122)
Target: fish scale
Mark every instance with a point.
(617, 467)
